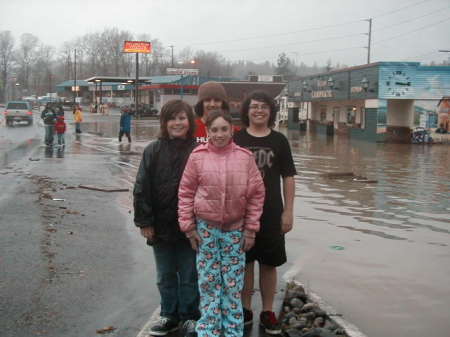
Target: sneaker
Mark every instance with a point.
(269, 322)
(248, 317)
(164, 326)
(189, 328)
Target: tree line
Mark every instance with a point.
(34, 68)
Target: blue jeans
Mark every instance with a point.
(61, 138)
(49, 131)
(177, 280)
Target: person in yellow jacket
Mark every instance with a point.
(78, 117)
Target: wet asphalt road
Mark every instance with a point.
(69, 267)
(390, 278)
(72, 266)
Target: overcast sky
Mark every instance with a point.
(256, 30)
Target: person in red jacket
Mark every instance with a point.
(60, 127)
(221, 196)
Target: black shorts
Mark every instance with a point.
(268, 249)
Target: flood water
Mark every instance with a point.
(378, 252)
(377, 248)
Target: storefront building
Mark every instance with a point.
(381, 101)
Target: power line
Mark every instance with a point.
(413, 19)
(314, 53)
(277, 35)
(291, 43)
(422, 55)
(412, 31)
(400, 9)
(307, 29)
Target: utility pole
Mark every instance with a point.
(136, 93)
(172, 54)
(75, 76)
(370, 38)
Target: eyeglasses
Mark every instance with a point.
(259, 107)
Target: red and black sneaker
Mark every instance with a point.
(269, 322)
(248, 316)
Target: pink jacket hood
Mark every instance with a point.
(222, 186)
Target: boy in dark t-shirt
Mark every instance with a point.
(274, 159)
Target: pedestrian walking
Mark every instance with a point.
(211, 96)
(78, 117)
(125, 125)
(48, 116)
(155, 213)
(60, 127)
(274, 159)
(220, 202)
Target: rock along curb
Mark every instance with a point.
(306, 314)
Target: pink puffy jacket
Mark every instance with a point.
(222, 186)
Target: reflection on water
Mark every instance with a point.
(392, 276)
(412, 189)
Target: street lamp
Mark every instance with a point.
(17, 85)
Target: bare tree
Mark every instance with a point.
(42, 76)
(6, 60)
(26, 55)
(211, 64)
(186, 56)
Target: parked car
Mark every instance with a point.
(18, 111)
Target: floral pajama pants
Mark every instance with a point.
(220, 267)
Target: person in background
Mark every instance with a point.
(441, 129)
(48, 116)
(125, 125)
(220, 202)
(60, 111)
(60, 127)
(274, 159)
(211, 96)
(78, 117)
(156, 215)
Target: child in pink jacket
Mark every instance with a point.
(221, 197)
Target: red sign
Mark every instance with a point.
(137, 47)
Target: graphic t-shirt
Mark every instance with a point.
(274, 159)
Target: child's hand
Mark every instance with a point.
(247, 243)
(287, 220)
(148, 232)
(194, 239)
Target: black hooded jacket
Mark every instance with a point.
(156, 187)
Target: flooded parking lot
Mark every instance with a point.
(378, 251)
(373, 241)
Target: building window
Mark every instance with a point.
(351, 114)
(336, 114)
(295, 112)
(323, 113)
